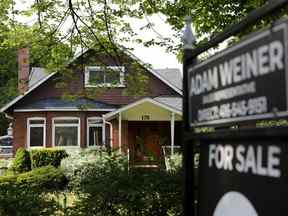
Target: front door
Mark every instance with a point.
(145, 141)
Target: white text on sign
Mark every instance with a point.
(246, 159)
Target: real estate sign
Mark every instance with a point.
(247, 81)
(243, 178)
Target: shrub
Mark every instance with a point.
(107, 188)
(174, 162)
(44, 178)
(26, 193)
(80, 160)
(45, 157)
(22, 161)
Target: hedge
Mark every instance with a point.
(22, 161)
(26, 194)
(44, 157)
(44, 178)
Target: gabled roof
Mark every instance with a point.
(148, 68)
(143, 100)
(43, 77)
(172, 75)
(19, 97)
(173, 102)
(36, 75)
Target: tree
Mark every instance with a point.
(63, 27)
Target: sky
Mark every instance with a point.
(156, 56)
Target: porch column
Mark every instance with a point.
(120, 131)
(172, 126)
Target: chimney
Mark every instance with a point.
(23, 70)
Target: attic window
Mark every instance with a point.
(112, 76)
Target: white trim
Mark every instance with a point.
(19, 97)
(111, 132)
(78, 125)
(120, 131)
(172, 127)
(143, 100)
(95, 125)
(61, 109)
(121, 70)
(35, 125)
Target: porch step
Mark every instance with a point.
(144, 166)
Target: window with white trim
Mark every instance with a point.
(110, 76)
(66, 132)
(36, 132)
(95, 132)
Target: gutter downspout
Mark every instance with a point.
(111, 131)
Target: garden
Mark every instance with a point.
(88, 182)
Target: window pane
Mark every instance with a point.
(36, 121)
(66, 136)
(66, 121)
(36, 136)
(96, 77)
(95, 136)
(113, 76)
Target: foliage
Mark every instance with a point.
(47, 156)
(79, 160)
(22, 161)
(6, 162)
(107, 188)
(26, 193)
(43, 178)
(174, 162)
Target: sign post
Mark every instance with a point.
(188, 154)
(242, 171)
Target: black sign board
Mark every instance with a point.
(244, 82)
(244, 178)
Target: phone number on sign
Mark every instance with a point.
(235, 109)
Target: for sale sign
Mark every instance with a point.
(243, 178)
(244, 82)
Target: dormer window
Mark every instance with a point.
(111, 76)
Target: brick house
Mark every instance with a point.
(140, 126)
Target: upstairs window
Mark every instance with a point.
(36, 132)
(112, 76)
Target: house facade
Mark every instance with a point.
(138, 125)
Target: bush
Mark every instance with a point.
(26, 193)
(22, 161)
(44, 178)
(45, 157)
(107, 188)
(80, 160)
(174, 162)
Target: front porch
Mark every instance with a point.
(147, 130)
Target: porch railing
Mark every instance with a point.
(6, 151)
